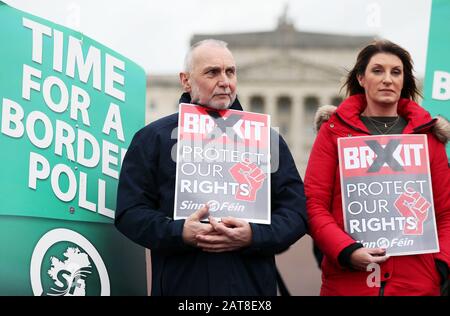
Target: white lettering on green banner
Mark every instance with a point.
(64, 102)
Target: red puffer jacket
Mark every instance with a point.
(401, 275)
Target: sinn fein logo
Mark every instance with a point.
(70, 275)
(64, 263)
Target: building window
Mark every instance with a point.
(336, 100)
(284, 106)
(311, 105)
(257, 104)
(284, 111)
(311, 102)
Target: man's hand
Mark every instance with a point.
(193, 227)
(362, 257)
(229, 235)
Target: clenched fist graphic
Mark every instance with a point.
(250, 174)
(412, 204)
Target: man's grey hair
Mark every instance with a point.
(209, 41)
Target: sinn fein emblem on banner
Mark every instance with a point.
(65, 263)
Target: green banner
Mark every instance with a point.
(437, 75)
(42, 256)
(69, 107)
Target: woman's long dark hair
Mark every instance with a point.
(409, 90)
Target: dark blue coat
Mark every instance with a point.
(145, 204)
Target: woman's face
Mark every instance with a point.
(383, 79)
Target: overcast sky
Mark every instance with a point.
(156, 33)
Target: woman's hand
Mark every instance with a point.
(362, 257)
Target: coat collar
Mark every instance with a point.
(419, 120)
(417, 117)
(186, 98)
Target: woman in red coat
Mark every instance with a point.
(382, 90)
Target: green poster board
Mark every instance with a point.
(437, 75)
(69, 107)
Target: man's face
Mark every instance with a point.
(212, 80)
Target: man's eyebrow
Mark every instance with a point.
(218, 68)
(209, 68)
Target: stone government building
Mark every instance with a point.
(285, 73)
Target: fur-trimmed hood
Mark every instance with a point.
(441, 128)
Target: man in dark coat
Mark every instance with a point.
(190, 257)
